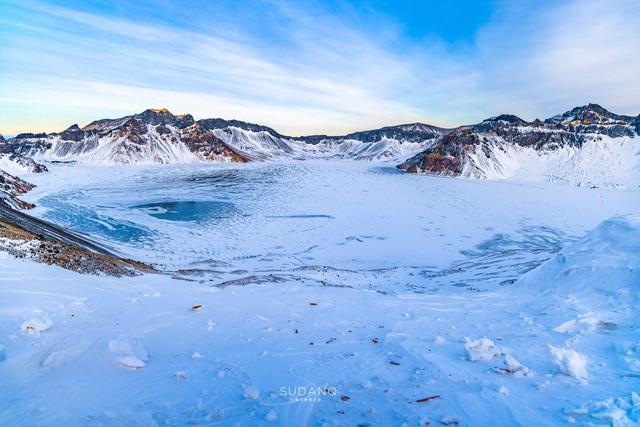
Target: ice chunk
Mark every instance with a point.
(130, 354)
(515, 367)
(570, 362)
(271, 416)
(36, 325)
(483, 349)
(251, 393)
(131, 362)
(587, 323)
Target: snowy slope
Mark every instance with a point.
(115, 149)
(559, 349)
(18, 165)
(255, 145)
(602, 161)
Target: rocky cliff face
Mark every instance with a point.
(11, 187)
(506, 146)
(16, 163)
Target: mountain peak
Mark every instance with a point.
(218, 123)
(72, 133)
(587, 115)
(73, 128)
(162, 116)
(508, 118)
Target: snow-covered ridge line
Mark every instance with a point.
(157, 136)
(585, 146)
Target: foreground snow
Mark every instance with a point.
(83, 350)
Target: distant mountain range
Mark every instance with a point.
(157, 136)
(586, 145)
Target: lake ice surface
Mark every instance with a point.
(382, 228)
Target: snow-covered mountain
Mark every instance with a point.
(15, 163)
(157, 136)
(153, 136)
(585, 146)
(386, 143)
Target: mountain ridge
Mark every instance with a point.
(506, 146)
(499, 147)
(158, 136)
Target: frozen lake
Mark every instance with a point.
(381, 228)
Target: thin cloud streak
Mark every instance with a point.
(320, 73)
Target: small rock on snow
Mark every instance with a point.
(34, 325)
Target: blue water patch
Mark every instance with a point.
(86, 220)
(191, 211)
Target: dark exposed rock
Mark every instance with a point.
(30, 135)
(164, 117)
(447, 157)
(415, 132)
(11, 187)
(222, 124)
(589, 114)
(73, 133)
(27, 163)
(199, 140)
(54, 245)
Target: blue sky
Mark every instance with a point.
(307, 67)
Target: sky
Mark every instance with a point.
(311, 66)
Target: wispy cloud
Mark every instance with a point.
(309, 69)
